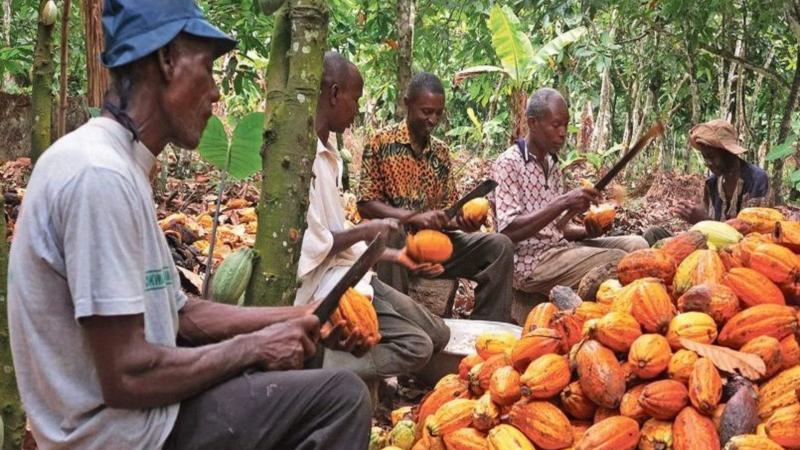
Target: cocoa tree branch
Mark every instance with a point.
(744, 63)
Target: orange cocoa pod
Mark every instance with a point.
(752, 288)
(787, 234)
(614, 433)
(591, 310)
(476, 210)
(740, 225)
(357, 311)
(486, 414)
(705, 386)
(783, 426)
(650, 262)
(790, 352)
(543, 423)
(575, 403)
(429, 246)
(480, 380)
(600, 374)
(649, 355)
(701, 267)
(601, 216)
(694, 431)
(569, 327)
(545, 377)
(533, 345)
(769, 350)
(716, 416)
(655, 435)
(630, 407)
(716, 300)
(681, 365)
(731, 257)
(466, 439)
(777, 321)
(752, 442)
(682, 245)
(776, 262)
(761, 220)
(608, 291)
(488, 344)
(695, 326)
(539, 317)
(466, 364)
(452, 416)
(779, 392)
(506, 437)
(504, 386)
(651, 304)
(664, 399)
(615, 330)
(447, 389)
(578, 430)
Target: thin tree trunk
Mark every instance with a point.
(587, 127)
(600, 134)
(290, 142)
(694, 90)
(61, 123)
(6, 37)
(750, 112)
(518, 100)
(405, 51)
(11, 411)
(97, 74)
(41, 91)
(783, 133)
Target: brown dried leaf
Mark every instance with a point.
(748, 365)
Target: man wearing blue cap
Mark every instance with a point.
(95, 308)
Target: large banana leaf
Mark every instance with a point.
(510, 44)
(470, 72)
(555, 47)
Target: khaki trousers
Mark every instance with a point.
(567, 266)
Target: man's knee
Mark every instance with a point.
(612, 255)
(501, 245)
(347, 390)
(440, 335)
(633, 243)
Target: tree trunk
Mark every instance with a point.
(518, 100)
(290, 143)
(587, 126)
(97, 74)
(405, 51)
(10, 405)
(6, 37)
(41, 91)
(601, 126)
(61, 123)
(783, 133)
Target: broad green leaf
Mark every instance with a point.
(556, 46)
(246, 146)
(511, 45)
(781, 151)
(214, 144)
(794, 177)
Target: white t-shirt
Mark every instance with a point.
(317, 269)
(87, 243)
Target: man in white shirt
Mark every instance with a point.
(410, 333)
(95, 306)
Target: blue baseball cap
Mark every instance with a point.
(135, 28)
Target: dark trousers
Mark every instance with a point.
(298, 409)
(486, 258)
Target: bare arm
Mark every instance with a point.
(574, 232)
(135, 374)
(435, 219)
(375, 209)
(527, 225)
(203, 322)
(366, 231)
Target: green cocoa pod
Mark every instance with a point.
(232, 276)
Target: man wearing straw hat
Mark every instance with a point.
(734, 182)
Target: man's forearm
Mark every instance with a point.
(527, 225)
(204, 322)
(345, 239)
(375, 209)
(574, 232)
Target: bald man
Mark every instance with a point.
(410, 334)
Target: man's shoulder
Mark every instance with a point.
(390, 134)
(510, 155)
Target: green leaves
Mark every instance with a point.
(557, 45)
(241, 157)
(783, 150)
(511, 45)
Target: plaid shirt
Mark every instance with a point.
(524, 188)
(393, 174)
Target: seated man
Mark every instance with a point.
(410, 334)
(734, 183)
(530, 199)
(406, 170)
(95, 308)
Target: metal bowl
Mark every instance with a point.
(463, 334)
